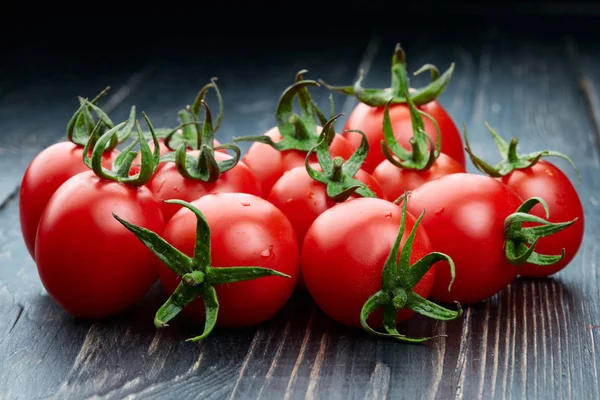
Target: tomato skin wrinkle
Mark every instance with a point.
(344, 252)
(547, 181)
(51, 168)
(269, 164)
(90, 264)
(370, 120)
(167, 183)
(245, 230)
(395, 180)
(464, 219)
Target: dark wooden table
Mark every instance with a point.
(537, 339)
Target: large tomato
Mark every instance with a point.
(245, 230)
(464, 219)
(344, 253)
(370, 120)
(45, 174)
(395, 180)
(167, 183)
(547, 181)
(269, 164)
(88, 262)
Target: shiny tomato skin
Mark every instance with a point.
(269, 164)
(89, 263)
(370, 120)
(167, 183)
(51, 168)
(395, 180)
(464, 218)
(245, 230)
(302, 199)
(344, 252)
(547, 181)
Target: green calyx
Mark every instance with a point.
(337, 174)
(400, 85)
(298, 131)
(203, 167)
(520, 242)
(423, 153)
(398, 280)
(82, 127)
(198, 277)
(121, 167)
(511, 159)
(190, 128)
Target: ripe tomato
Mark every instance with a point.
(245, 230)
(168, 183)
(464, 218)
(370, 120)
(88, 262)
(45, 174)
(395, 180)
(344, 253)
(269, 164)
(547, 181)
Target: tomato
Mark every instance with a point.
(44, 175)
(395, 180)
(168, 183)
(464, 219)
(345, 250)
(269, 164)
(245, 230)
(87, 261)
(370, 120)
(547, 181)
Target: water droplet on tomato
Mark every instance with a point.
(440, 212)
(289, 200)
(267, 253)
(388, 215)
(245, 204)
(311, 195)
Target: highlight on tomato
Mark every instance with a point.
(304, 193)
(189, 175)
(486, 228)
(87, 261)
(530, 176)
(368, 115)
(54, 165)
(408, 169)
(230, 259)
(368, 263)
(285, 146)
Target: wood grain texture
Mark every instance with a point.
(536, 339)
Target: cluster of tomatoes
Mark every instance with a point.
(375, 223)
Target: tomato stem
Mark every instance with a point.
(398, 280)
(298, 131)
(400, 90)
(520, 242)
(199, 277)
(336, 174)
(511, 160)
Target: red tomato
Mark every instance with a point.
(370, 120)
(547, 181)
(89, 263)
(245, 230)
(344, 252)
(167, 183)
(44, 175)
(269, 164)
(395, 180)
(464, 219)
(302, 199)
